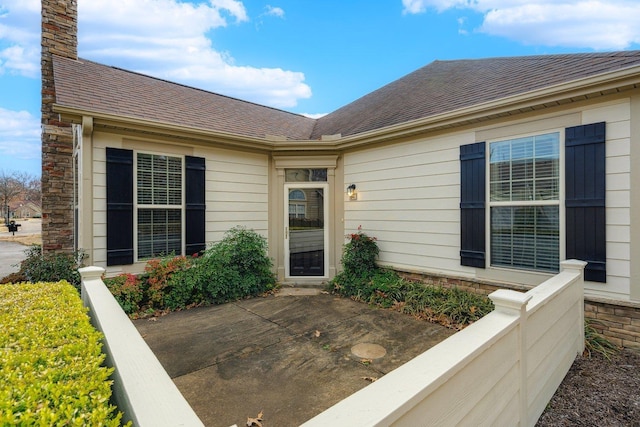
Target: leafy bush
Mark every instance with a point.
(51, 362)
(362, 280)
(51, 267)
(158, 274)
(236, 267)
(127, 290)
(359, 254)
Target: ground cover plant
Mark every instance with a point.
(236, 267)
(51, 359)
(362, 280)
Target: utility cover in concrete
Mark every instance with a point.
(366, 350)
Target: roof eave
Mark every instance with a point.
(175, 133)
(153, 128)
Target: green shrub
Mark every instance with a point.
(159, 286)
(359, 254)
(127, 290)
(236, 267)
(51, 359)
(51, 267)
(362, 280)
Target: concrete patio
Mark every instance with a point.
(290, 355)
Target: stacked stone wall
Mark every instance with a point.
(59, 37)
(618, 321)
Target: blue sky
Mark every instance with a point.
(308, 57)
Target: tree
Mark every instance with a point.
(14, 185)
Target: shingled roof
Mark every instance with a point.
(440, 87)
(97, 88)
(445, 86)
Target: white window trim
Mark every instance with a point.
(137, 206)
(560, 203)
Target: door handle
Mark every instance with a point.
(286, 233)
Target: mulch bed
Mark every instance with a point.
(597, 392)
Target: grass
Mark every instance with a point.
(594, 342)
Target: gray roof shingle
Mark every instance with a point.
(99, 88)
(444, 86)
(437, 88)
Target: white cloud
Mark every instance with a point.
(274, 11)
(19, 135)
(170, 39)
(20, 38)
(314, 115)
(595, 24)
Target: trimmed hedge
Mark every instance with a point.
(51, 359)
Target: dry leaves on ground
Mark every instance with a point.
(257, 421)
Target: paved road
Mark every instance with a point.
(11, 254)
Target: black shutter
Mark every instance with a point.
(472, 205)
(119, 206)
(195, 204)
(585, 198)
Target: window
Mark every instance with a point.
(305, 175)
(524, 201)
(159, 207)
(169, 198)
(297, 204)
(524, 182)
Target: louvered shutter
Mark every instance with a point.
(472, 205)
(585, 198)
(119, 206)
(195, 204)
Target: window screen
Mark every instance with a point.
(159, 196)
(524, 182)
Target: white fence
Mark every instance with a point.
(142, 389)
(500, 371)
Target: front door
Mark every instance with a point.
(306, 236)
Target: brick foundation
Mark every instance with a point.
(618, 321)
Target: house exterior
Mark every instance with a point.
(490, 170)
(26, 209)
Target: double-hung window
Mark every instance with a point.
(155, 205)
(524, 202)
(159, 205)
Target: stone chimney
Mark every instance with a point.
(59, 37)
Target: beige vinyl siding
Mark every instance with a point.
(618, 198)
(99, 167)
(236, 190)
(409, 199)
(409, 195)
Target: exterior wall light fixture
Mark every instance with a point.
(351, 192)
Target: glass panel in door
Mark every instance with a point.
(306, 231)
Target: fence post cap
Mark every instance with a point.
(509, 301)
(92, 272)
(572, 264)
